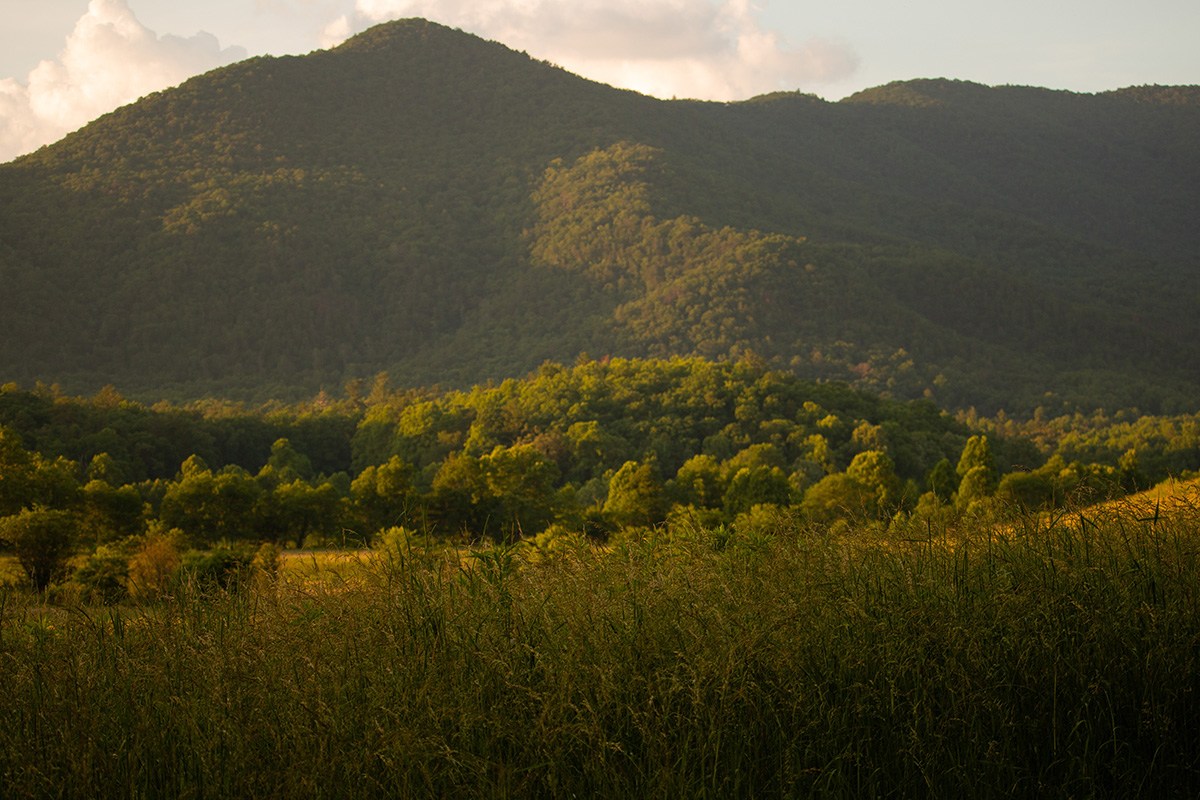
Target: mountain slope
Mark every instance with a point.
(423, 201)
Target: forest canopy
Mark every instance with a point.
(607, 449)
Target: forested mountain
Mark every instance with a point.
(421, 201)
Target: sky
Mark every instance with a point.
(65, 62)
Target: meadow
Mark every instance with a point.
(1020, 655)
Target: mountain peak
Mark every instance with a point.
(401, 33)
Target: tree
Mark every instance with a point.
(1131, 476)
(594, 449)
(28, 480)
(698, 482)
(977, 484)
(1032, 490)
(457, 503)
(876, 472)
(104, 574)
(837, 495)
(104, 467)
(303, 510)
(289, 464)
(208, 507)
(512, 489)
(110, 513)
(384, 495)
(942, 480)
(16, 473)
(153, 568)
(522, 481)
(817, 449)
(44, 541)
(977, 453)
(977, 471)
(754, 486)
(635, 496)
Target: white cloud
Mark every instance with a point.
(335, 32)
(109, 59)
(342, 28)
(685, 48)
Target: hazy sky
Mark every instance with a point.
(64, 62)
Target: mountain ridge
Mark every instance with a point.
(284, 224)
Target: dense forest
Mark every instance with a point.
(427, 203)
(612, 449)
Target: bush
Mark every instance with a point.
(104, 575)
(267, 560)
(153, 568)
(556, 539)
(221, 566)
(394, 539)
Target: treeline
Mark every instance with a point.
(611, 448)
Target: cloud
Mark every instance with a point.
(684, 48)
(109, 59)
(335, 32)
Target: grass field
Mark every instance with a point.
(1045, 656)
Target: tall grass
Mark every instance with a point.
(1032, 657)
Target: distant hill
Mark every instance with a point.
(422, 201)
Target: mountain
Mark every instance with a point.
(422, 201)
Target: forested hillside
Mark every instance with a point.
(610, 448)
(421, 201)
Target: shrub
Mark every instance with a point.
(267, 560)
(104, 575)
(555, 539)
(221, 566)
(153, 568)
(761, 520)
(400, 540)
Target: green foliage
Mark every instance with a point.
(698, 482)
(302, 513)
(222, 566)
(942, 480)
(1132, 478)
(838, 495)
(876, 472)
(635, 496)
(109, 513)
(756, 486)
(595, 447)
(976, 471)
(1039, 489)
(104, 575)
(209, 507)
(384, 495)
(287, 464)
(28, 479)
(976, 453)
(44, 541)
(267, 560)
(977, 484)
